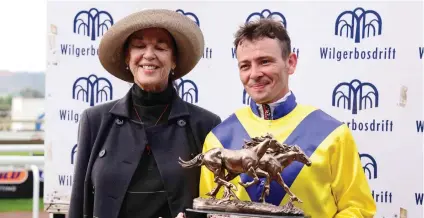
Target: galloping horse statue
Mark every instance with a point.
(273, 163)
(245, 160)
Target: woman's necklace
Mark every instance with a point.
(139, 118)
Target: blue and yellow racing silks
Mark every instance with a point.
(334, 186)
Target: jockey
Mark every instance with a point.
(335, 184)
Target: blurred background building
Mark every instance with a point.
(21, 103)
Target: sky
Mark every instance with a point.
(23, 35)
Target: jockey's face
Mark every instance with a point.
(263, 71)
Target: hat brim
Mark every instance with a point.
(187, 35)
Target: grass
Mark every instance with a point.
(21, 153)
(21, 205)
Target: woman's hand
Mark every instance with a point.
(180, 215)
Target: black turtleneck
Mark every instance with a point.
(151, 105)
(146, 195)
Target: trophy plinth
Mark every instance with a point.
(244, 208)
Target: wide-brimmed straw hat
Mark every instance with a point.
(187, 35)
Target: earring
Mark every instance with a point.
(127, 67)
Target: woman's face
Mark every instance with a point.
(150, 57)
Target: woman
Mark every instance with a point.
(128, 150)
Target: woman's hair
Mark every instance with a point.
(172, 82)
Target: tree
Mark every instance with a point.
(6, 100)
(30, 93)
(5, 103)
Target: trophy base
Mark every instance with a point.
(245, 208)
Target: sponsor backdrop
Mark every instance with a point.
(18, 184)
(362, 62)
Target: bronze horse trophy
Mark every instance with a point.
(274, 162)
(261, 157)
(234, 161)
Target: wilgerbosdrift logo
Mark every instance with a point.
(187, 90)
(92, 24)
(358, 25)
(369, 164)
(207, 53)
(92, 89)
(190, 15)
(67, 179)
(267, 14)
(73, 154)
(420, 126)
(357, 97)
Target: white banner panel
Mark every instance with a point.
(361, 62)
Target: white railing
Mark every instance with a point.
(21, 124)
(22, 147)
(21, 135)
(34, 163)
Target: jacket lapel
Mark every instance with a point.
(130, 142)
(122, 106)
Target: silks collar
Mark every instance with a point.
(281, 110)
